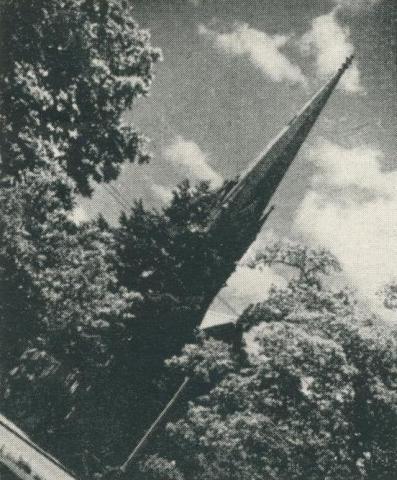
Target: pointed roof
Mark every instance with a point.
(260, 180)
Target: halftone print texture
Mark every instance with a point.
(198, 240)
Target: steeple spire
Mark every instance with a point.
(240, 213)
(259, 182)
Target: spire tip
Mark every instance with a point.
(346, 64)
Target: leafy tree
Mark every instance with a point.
(311, 392)
(93, 312)
(157, 468)
(315, 400)
(170, 259)
(170, 248)
(69, 70)
(390, 295)
(62, 315)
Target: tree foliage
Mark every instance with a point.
(62, 312)
(171, 248)
(316, 399)
(170, 259)
(92, 312)
(89, 313)
(390, 295)
(69, 70)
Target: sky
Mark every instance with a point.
(234, 73)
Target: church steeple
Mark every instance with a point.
(233, 224)
(240, 213)
(259, 182)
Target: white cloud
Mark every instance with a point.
(158, 190)
(262, 49)
(189, 156)
(162, 192)
(331, 44)
(356, 5)
(352, 210)
(79, 215)
(352, 167)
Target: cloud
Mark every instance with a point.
(79, 215)
(161, 192)
(262, 49)
(188, 155)
(158, 190)
(351, 209)
(330, 43)
(356, 5)
(352, 167)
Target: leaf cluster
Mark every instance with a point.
(69, 71)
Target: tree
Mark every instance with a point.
(315, 400)
(93, 312)
(168, 257)
(170, 248)
(390, 295)
(69, 71)
(62, 314)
